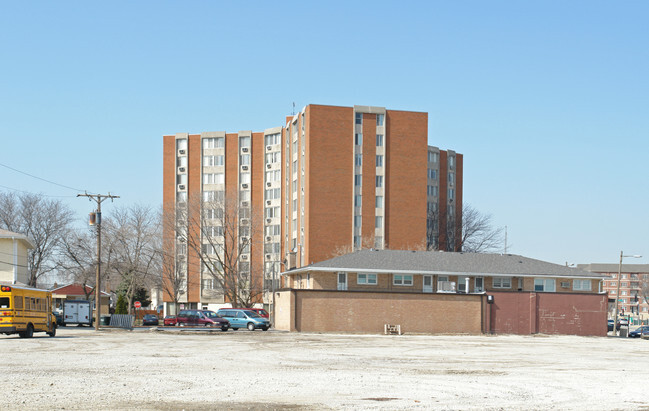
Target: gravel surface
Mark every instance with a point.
(175, 370)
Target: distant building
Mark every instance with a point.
(78, 292)
(329, 180)
(441, 292)
(630, 300)
(14, 248)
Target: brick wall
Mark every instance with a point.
(367, 312)
(548, 313)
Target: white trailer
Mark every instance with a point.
(77, 312)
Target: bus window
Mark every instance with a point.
(18, 302)
(4, 302)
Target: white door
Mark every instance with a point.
(342, 281)
(461, 284)
(428, 284)
(479, 284)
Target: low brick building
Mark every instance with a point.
(441, 292)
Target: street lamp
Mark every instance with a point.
(617, 293)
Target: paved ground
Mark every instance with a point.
(147, 369)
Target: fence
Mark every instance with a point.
(122, 321)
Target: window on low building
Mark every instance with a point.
(544, 284)
(366, 279)
(581, 285)
(501, 282)
(402, 279)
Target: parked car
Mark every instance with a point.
(260, 311)
(59, 318)
(637, 333)
(244, 318)
(201, 318)
(169, 320)
(610, 325)
(150, 319)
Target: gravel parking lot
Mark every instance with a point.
(175, 370)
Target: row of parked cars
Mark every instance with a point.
(224, 318)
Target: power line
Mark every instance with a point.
(30, 192)
(39, 178)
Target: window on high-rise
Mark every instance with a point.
(379, 181)
(357, 200)
(451, 161)
(358, 179)
(358, 160)
(357, 221)
(379, 202)
(432, 174)
(181, 144)
(359, 118)
(378, 221)
(433, 157)
(245, 160)
(379, 160)
(451, 193)
(379, 140)
(358, 139)
(380, 118)
(214, 142)
(244, 141)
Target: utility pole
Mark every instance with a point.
(99, 198)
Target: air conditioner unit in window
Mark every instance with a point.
(269, 148)
(269, 220)
(268, 166)
(245, 149)
(244, 168)
(268, 256)
(244, 221)
(268, 202)
(244, 256)
(269, 238)
(181, 186)
(181, 152)
(181, 170)
(244, 185)
(245, 204)
(268, 184)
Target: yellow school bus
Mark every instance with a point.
(25, 310)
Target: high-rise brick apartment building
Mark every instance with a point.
(330, 180)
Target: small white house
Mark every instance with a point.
(13, 257)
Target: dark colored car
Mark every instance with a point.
(260, 311)
(201, 318)
(637, 333)
(170, 320)
(59, 318)
(149, 319)
(610, 325)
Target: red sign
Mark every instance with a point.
(137, 304)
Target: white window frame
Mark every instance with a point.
(366, 279)
(545, 283)
(501, 282)
(404, 280)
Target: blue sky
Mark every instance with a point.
(548, 101)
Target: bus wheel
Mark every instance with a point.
(28, 333)
(53, 332)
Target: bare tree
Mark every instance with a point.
(45, 222)
(219, 233)
(77, 261)
(475, 233)
(134, 236)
